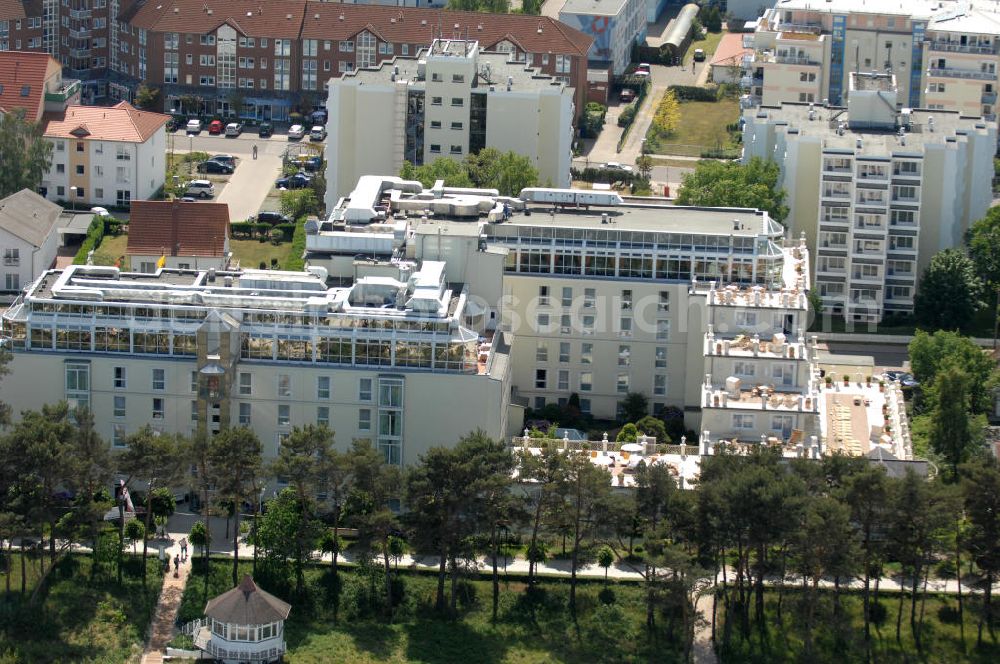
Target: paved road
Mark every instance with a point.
(552, 8)
(250, 183)
(887, 356)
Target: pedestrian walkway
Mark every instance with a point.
(162, 629)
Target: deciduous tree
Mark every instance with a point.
(730, 184)
(235, 459)
(950, 292)
(24, 153)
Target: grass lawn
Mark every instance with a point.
(78, 617)
(528, 631)
(841, 639)
(702, 126)
(708, 44)
(676, 163)
(112, 247)
(251, 253)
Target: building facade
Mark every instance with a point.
(944, 55)
(29, 238)
(614, 26)
(34, 84)
(105, 156)
(178, 234)
(877, 192)
(449, 101)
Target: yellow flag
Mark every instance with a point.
(162, 262)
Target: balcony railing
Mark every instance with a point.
(950, 72)
(989, 98)
(961, 48)
(811, 28)
(68, 89)
(791, 59)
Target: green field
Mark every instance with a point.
(78, 617)
(528, 631)
(708, 44)
(112, 247)
(838, 637)
(702, 126)
(251, 253)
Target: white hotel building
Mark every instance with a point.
(426, 314)
(876, 191)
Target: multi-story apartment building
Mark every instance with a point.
(616, 28)
(876, 191)
(944, 54)
(34, 83)
(271, 59)
(104, 156)
(449, 100)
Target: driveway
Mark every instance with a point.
(251, 181)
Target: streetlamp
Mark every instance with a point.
(190, 151)
(72, 197)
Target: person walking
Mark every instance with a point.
(184, 549)
(177, 565)
(255, 151)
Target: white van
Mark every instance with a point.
(200, 189)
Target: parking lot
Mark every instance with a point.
(247, 188)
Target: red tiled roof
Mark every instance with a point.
(11, 10)
(730, 50)
(252, 18)
(122, 122)
(176, 228)
(22, 81)
(322, 20)
(416, 25)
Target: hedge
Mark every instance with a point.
(593, 174)
(627, 117)
(695, 93)
(95, 233)
(296, 254)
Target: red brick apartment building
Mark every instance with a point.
(268, 58)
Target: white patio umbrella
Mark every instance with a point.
(632, 447)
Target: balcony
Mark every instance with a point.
(68, 89)
(949, 72)
(762, 397)
(82, 33)
(79, 14)
(990, 117)
(948, 47)
(833, 193)
(858, 275)
(777, 348)
(988, 98)
(803, 60)
(79, 52)
(808, 28)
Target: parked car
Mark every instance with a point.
(296, 131)
(100, 211)
(212, 166)
(317, 133)
(216, 127)
(188, 199)
(226, 159)
(313, 164)
(627, 95)
(234, 129)
(297, 181)
(699, 55)
(642, 66)
(268, 217)
(615, 166)
(265, 129)
(194, 126)
(318, 117)
(200, 189)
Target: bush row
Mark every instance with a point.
(594, 174)
(296, 255)
(250, 230)
(695, 93)
(95, 233)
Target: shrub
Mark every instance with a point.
(694, 93)
(95, 233)
(606, 596)
(627, 117)
(296, 255)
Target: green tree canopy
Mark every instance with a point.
(730, 184)
(955, 433)
(452, 172)
(931, 353)
(950, 292)
(508, 172)
(984, 247)
(25, 155)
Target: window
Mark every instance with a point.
(436, 147)
(903, 217)
(12, 256)
(807, 96)
(60, 169)
(622, 383)
(567, 297)
(78, 384)
(624, 355)
(743, 421)
(664, 304)
(246, 385)
(659, 384)
(807, 77)
(563, 63)
(157, 408)
(405, 49)
(284, 415)
(458, 78)
(322, 387)
(323, 416)
(748, 369)
(208, 81)
(99, 192)
(456, 125)
(159, 380)
(121, 378)
(542, 352)
(542, 323)
(457, 101)
(208, 40)
(541, 378)
(662, 330)
(563, 378)
(660, 357)
(365, 389)
(625, 326)
(456, 149)
(564, 324)
(435, 101)
(586, 353)
(309, 48)
(118, 435)
(189, 59)
(435, 124)
(12, 281)
(79, 169)
(244, 416)
(364, 419)
(586, 381)
(365, 50)
(206, 60)
(119, 404)
(564, 352)
(902, 242)
(626, 300)
(194, 411)
(589, 298)
(346, 47)
(284, 385)
(543, 296)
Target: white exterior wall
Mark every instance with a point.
(438, 408)
(144, 170)
(181, 262)
(32, 261)
(538, 125)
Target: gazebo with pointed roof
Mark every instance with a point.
(245, 624)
